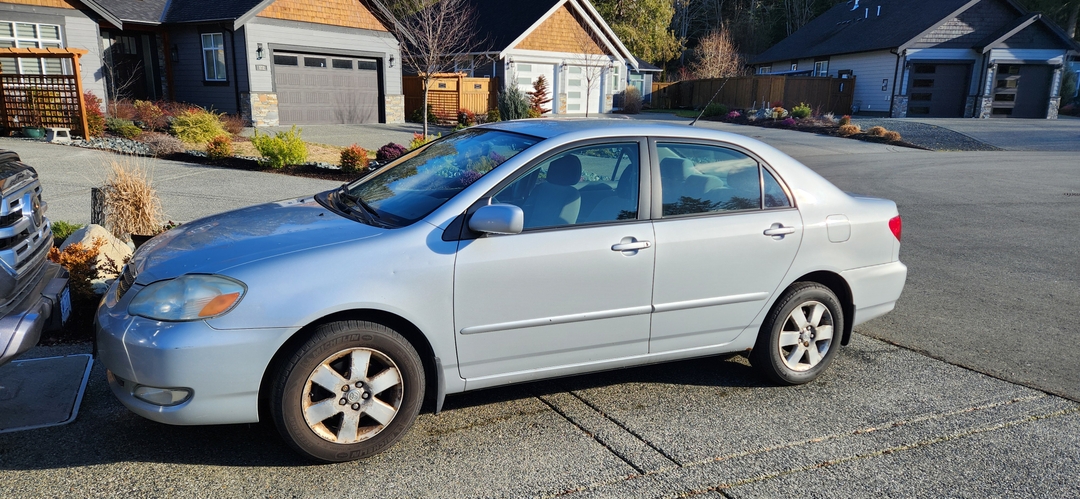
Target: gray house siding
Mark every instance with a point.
(77, 31)
(189, 83)
(293, 36)
(872, 70)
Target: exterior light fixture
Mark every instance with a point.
(391, 60)
(175, 53)
(258, 51)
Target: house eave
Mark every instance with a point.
(104, 13)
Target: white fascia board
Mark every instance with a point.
(619, 55)
(546, 56)
(526, 33)
(625, 55)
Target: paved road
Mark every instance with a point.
(1014, 134)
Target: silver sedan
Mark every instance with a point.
(500, 254)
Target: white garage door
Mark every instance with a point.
(527, 73)
(318, 89)
(576, 90)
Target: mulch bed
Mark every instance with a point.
(306, 170)
(812, 126)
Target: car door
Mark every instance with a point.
(726, 236)
(574, 287)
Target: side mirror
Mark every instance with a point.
(498, 219)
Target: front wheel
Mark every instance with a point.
(799, 337)
(349, 392)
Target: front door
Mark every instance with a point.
(726, 239)
(573, 288)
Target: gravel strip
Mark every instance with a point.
(925, 135)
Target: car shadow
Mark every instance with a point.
(105, 432)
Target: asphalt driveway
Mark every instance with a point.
(1062, 134)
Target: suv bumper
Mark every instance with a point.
(41, 310)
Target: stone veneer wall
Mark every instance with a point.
(900, 105)
(260, 108)
(395, 109)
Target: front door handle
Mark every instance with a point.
(630, 245)
(779, 231)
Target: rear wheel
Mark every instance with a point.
(799, 337)
(349, 392)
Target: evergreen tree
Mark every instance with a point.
(539, 96)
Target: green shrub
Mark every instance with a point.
(354, 159)
(493, 116)
(715, 109)
(512, 104)
(61, 230)
(283, 148)
(115, 124)
(197, 126)
(219, 147)
(418, 117)
(129, 132)
(801, 111)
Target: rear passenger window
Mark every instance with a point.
(591, 184)
(707, 179)
(775, 197)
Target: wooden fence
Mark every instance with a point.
(823, 94)
(43, 100)
(449, 93)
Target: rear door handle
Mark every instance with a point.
(631, 244)
(779, 230)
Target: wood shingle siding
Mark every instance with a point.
(562, 32)
(56, 4)
(347, 13)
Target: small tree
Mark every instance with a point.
(716, 56)
(432, 32)
(539, 96)
(593, 61)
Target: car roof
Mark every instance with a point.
(547, 128)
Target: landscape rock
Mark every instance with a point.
(114, 250)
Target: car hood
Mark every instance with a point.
(217, 243)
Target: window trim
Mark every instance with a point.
(38, 41)
(202, 42)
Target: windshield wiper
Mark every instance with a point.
(370, 215)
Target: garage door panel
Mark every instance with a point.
(310, 92)
(938, 90)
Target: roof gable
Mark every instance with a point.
(856, 26)
(347, 13)
(562, 31)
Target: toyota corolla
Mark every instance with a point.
(504, 253)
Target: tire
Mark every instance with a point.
(359, 414)
(800, 336)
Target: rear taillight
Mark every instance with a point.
(896, 226)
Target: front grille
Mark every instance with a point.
(127, 278)
(10, 219)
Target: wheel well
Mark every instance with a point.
(393, 321)
(840, 288)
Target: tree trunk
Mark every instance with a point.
(427, 83)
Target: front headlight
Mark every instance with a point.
(187, 298)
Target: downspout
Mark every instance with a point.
(896, 73)
(236, 72)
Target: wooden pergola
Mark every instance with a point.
(14, 89)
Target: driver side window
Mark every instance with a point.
(591, 184)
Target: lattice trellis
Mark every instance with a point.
(43, 100)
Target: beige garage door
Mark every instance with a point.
(322, 89)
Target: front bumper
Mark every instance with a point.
(40, 310)
(223, 369)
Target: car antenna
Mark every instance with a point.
(702, 113)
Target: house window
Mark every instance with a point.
(764, 70)
(821, 68)
(213, 48)
(30, 35)
(615, 79)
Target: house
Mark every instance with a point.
(933, 58)
(642, 78)
(564, 40)
(273, 61)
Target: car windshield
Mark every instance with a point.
(423, 180)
